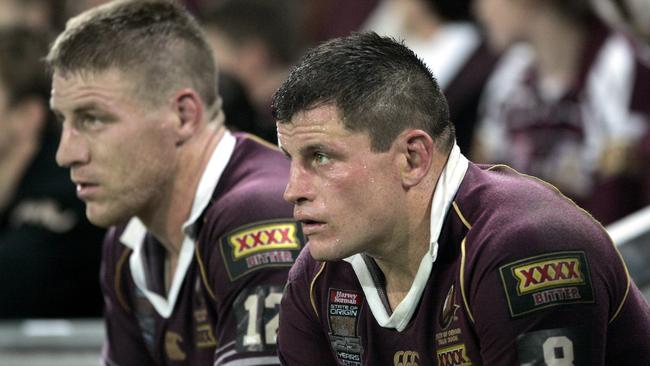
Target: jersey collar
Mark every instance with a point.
(135, 232)
(446, 188)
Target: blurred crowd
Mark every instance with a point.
(556, 89)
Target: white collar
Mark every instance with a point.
(446, 188)
(134, 234)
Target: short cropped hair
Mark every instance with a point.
(379, 86)
(155, 41)
(22, 71)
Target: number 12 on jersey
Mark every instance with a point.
(257, 312)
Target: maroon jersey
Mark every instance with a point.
(586, 139)
(222, 305)
(516, 274)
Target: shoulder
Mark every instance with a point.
(527, 237)
(514, 212)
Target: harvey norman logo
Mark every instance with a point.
(343, 297)
(262, 238)
(554, 272)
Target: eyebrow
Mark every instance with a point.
(81, 110)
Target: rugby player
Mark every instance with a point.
(200, 240)
(417, 256)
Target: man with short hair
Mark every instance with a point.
(416, 255)
(200, 241)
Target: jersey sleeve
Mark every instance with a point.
(124, 345)
(250, 244)
(301, 338)
(546, 292)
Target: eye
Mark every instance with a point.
(321, 158)
(90, 120)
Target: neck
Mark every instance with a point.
(558, 44)
(167, 223)
(400, 257)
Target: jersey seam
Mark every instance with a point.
(204, 277)
(311, 289)
(627, 287)
(462, 280)
(118, 279)
(461, 216)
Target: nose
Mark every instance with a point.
(72, 148)
(299, 187)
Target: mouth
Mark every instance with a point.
(86, 190)
(311, 227)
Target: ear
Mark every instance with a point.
(417, 148)
(189, 110)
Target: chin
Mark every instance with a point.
(102, 219)
(327, 251)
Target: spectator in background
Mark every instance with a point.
(630, 15)
(49, 253)
(443, 34)
(569, 105)
(255, 41)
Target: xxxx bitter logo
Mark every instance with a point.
(546, 280)
(275, 243)
(263, 238)
(555, 272)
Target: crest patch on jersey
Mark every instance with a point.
(546, 280)
(262, 244)
(343, 308)
(449, 308)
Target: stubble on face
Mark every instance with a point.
(342, 202)
(130, 152)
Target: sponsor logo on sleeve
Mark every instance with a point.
(259, 245)
(343, 310)
(546, 280)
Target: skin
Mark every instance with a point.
(129, 157)
(352, 200)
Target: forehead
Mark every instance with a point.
(318, 127)
(70, 89)
(325, 119)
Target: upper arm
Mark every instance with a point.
(542, 285)
(245, 256)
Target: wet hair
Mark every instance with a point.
(378, 85)
(22, 71)
(156, 43)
